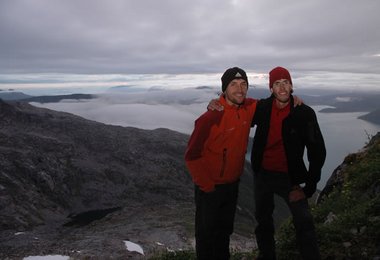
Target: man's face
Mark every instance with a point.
(282, 89)
(236, 92)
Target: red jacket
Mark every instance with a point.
(216, 150)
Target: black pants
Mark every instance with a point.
(266, 184)
(214, 221)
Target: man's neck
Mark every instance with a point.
(280, 104)
(232, 104)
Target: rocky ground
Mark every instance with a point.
(104, 238)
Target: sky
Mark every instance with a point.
(88, 43)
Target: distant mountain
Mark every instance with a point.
(76, 186)
(58, 98)
(355, 103)
(352, 103)
(373, 117)
(13, 95)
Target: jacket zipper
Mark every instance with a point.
(223, 162)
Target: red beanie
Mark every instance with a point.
(277, 74)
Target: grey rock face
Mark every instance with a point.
(77, 187)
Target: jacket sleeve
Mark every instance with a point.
(195, 161)
(316, 150)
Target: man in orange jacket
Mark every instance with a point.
(215, 157)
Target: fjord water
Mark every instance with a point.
(344, 133)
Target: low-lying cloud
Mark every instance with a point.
(173, 109)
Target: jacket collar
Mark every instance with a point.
(291, 101)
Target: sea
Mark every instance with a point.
(344, 133)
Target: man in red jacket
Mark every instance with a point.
(215, 157)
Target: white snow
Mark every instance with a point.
(132, 247)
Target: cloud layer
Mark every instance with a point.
(201, 36)
(174, 109)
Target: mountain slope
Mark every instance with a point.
(74, 186)
(55, 165)
(78, 164)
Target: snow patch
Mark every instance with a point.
(132, 247)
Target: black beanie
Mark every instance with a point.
(231, 74)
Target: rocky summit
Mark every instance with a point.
(75, 187)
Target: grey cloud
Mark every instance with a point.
(174, 109)
(170, 36)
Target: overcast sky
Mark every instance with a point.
(199, 36)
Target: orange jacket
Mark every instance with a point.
(216, 150)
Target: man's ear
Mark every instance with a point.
(271, 90)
